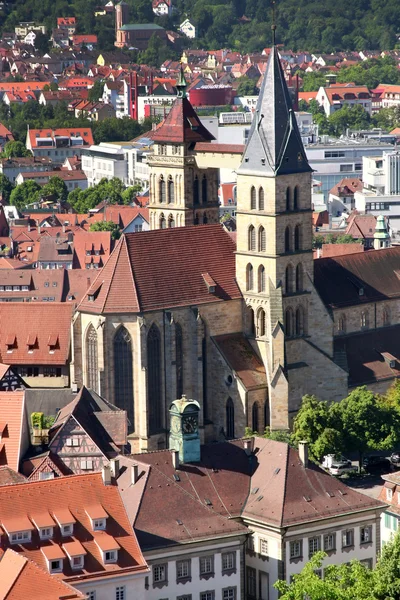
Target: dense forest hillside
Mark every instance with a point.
(316, 25)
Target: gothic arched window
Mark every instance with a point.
(163, 222)
(196, 198)
(179, 360)
(262, 244)
(205, 219)
(289, 322)
(250, 320)
(196, 219)
(171, 190)
(288, 199)
(364, 319)
(261, 202)
(254, 417)
(162, 190)
(249, 277)
(296, 198)
(287, 239)
(251, 238)
(261, 278)
(230, 419)
(253, 199)
(299, 278)
(261, 322)
(297, 237)
(92, 366)
(385, 317)
(204, 190)
(171, 222)
(266, 414)
(299, 321)
(289, 279)
(123, 374)
(154, 389)
(342, 324)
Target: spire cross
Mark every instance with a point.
(273, 26)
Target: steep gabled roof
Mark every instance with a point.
(182, 125)
(164, 268)
(274, 146)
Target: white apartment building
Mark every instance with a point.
(381, 192)
(188, 29)
(334, 98)
(106, 160)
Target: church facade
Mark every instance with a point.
(182, 310)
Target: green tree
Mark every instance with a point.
(15, 149)
(130, 194)
(42, 42)
(247, 87)
(56, 187)
(25, 194)
(311, 424)
(107, 226)
(96, 92)
(387, 571)
(6, 187)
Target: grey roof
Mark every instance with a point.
(274, 146)
(46, 400)
(140, 27)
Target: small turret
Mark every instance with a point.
(184, 429)
(381, 234)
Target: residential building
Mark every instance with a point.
(116, 94)
(335, 97)
(72, 179)
(35, 341)
(9, 379)
(390, 96)
(55, 253)
(94, 111)
(23, 29)
(5, 135)
(341, 196)
(188, 29)
(390, 518)
(12, 167)
(162, 7)
(58, 144)
(76, 530)
(107, 160)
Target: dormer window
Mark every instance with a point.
(77, 562)
(99, 524)
(11, 342)
(55, 566)
(111, 556)
(20, 537)
(76, 554)
(65, 521)
(67, 529)
(97, 516)
(46, 533)
(31, 342)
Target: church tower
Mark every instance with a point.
(181, 193)
(274, 261)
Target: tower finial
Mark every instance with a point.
(181, 84)
(273, 26)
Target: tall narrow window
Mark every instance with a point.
(261, 199)
(249, 277)
(196, 198)
(299, 278)
(287, 239)
(289, 279)
(230, 419)
(171, 222)
(162, 190)
(205, 219)
(179, 360)
(299, 321)
(250, 320)
(261, 278)
(342, 324)
(92, 366)
(288, 199)
(251, 238)
(254, 417)
(385, 317)
(123, 374)
(163, 222)
(154, 379)
(266, 414)
(253, 199)
(261, 322)
(171, 190)
(297, 242)
(196, 219)
(261, 240)
(204, 190)
(296, 198)
(289, 322)
(364, 319)
(205, 376)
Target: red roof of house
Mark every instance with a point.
(84, 39)
(91, 241)
(24, 86)
(75, 493)
(220, 148)
(4, 132)
(307, 96)
(163, 268)
(66, 21)
(39, 320)
(8, 476)
(11, 418)
(182, 125)
(331, 250)
(361, 226)
(22, 578)
(347, 186)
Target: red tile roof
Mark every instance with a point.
(220, 148)
(347, 186)
(74, 493)
(41, 320)
(361, 226)
(8, 476)
(163, 268)
(12, 415)
(22, 578)
(331, 250)
(84, 39)
(182, 125)
(242, 358)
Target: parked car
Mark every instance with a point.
(395, 458)
(329, 459)
(341, 467)
(373, 464)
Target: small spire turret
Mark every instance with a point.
(181, 84)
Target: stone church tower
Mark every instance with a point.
(181, 193)
(274, 260)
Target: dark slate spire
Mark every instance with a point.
(274, 146)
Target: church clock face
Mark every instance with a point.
(175, 425)
(189, 425)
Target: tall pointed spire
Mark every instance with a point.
(274, 146)
(181, 84)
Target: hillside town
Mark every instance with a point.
(199, 314)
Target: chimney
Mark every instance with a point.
(175, 459)
(29, 226)
(248, 446)
(134, 473)
(38, 229)
(303, 453)
(106, 474)
(63, 228)
(114, 466)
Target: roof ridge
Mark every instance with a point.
(285, 484)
